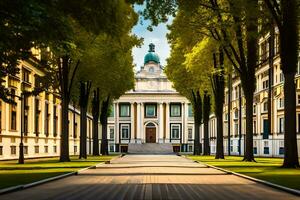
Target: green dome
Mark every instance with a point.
(151, 55)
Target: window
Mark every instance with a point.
(1, 150)
(55, 120)
(124, 110)
(37, 117)
(111, 148)
(236, 128)
(298, 99)
(254, 150)
(111, 133)
(175, 131)
(281, 77)
(13, 150)
(75, 129)
(26, 111)
(190, 148)
(190, 113)
(254, 126)
(280, 125)
(36, 149)
(236, 114)
(281, 150)
(265, 84)
(125, 131)
(175, 110)
(46, 149)
(226, 116)
(75, 149)
(26, 75)
(280, 103)
(13, 122)
(47, 119)
(25, 150)
(254, 109)
(150, 110)
(190, 133)
(54, 149)
(265, 106)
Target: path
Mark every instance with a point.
(151, 177)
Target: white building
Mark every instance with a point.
(153, 112)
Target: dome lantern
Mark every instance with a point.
(151, 55)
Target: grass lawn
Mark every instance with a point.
(12, 174)
(268, 169)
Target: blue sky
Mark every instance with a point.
(157, 36)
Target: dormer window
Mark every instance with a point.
(151, 69)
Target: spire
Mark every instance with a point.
(151, 47)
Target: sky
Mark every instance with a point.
(157, 36)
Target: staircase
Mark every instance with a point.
(150, 148)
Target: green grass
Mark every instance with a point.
(268, 169)
(12, 174)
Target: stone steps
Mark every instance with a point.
(150, 148)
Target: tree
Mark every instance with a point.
(286, 16)
(218, 85)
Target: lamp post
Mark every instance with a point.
(24, 94)
(21, 149)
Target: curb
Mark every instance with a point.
(25, 186)
(267, 183)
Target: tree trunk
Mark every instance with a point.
(248, 78)
(95, 111)
(197, 108)
(248, 155)
(103, 120)
(220, 147)
(289, 44)
(64, 140)
(83, 102)
(206, 112)
(218, 84)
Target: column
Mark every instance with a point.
(142, 123)
(161, 123)
(132, 128)
(167, 128)
(138, 123)
(116, 126)
(183, 133)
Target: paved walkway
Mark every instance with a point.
(151, 177)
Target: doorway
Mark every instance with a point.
(150, 133)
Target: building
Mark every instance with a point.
(42, 120)
(153, 112)
(268, 133)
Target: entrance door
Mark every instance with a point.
(150, 134)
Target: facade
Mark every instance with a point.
(268, 133)
(42, 120)
(153, 112)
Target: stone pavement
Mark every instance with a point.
(151, 177)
